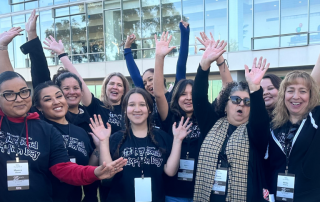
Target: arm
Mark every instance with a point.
(183, 52)
(5, 40)
(162, 49)
(131, 65)
(58, 48)
(316, 72)
(179, 133)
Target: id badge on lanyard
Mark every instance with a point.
(220, 181)
(285, 187)
(142, 189)
(73, 159)
(185, 172)
(18, 175)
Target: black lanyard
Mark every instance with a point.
(287, 147)
(145, 153)
(17, 144)
(188, 147)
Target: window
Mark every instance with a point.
(315, 21)
(5, 25)
(113, 38)
(20, 60)
(5, 8)
(47, 29)
(171, 16)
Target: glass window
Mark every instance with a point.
(20, 60)
(112, 36)
(77, 9)
(43, 3)
(61, 11)
(62, 26)
(294, 40)
(266, 43)
(216, 19)
(111, 4)
(150, 22)
(78, 36)
(18, 19)
(31, 5)
(171, 16)
(95, 30)
(5, 8)
(294, 17)
(193, 14)
(240, 25)
(47, 29)
(314, 15)
(60, 1)
(131, 22)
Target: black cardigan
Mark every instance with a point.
(258, 131)
(302, 161)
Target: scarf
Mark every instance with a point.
(237, 151)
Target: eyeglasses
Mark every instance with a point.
(12, 96)
(237, 100)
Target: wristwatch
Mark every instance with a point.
(3, 47)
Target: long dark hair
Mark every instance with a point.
(63, 74)
(152, 71)
(8, 75)
(174, 104)
(275, 80)
(149, 103)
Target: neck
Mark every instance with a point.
(295, 119)
(189, 115)
(116, 103)
(74, 110)
(61, 120)
(140, 131)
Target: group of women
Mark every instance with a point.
(256, 142)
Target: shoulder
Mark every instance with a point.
(162, 136)
(116, 137)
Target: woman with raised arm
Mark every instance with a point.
(270, 84)
(230, 162)
(150, 151)
(146, 80)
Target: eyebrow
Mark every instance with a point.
(48, 96)
(10, 91)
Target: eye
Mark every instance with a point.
(46, 100)
(59, 96)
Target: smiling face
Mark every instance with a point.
(19, 107)
(137, 110)
(185, 100)
(238, 114)
(297, 97)
(52, 103)
(115, 90)
(270, 93)
(148, 81)
(72, 91)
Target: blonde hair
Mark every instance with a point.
(104, 98)
(281, 114)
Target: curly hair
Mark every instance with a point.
(226, 92)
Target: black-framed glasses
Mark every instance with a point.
(237, 100)
(12, 96)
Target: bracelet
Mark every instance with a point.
(62, 55)
(3, 47)
(221, 63)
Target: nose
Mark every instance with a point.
(189, 96)
(241, 103)
(296, 95)
(55, 101)
(19, 99)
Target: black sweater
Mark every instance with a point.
(258, 131)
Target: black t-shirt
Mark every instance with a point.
(157, 123)
(191, 144)
(122, 187)
(46, 148)
(78, 145)
(114, 117)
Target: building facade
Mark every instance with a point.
(286, 32)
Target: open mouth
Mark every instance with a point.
(114, 93)
(239, 111)
(72, 98)
(137, 115)
(150, 89)
(57, 109)
(296, 104)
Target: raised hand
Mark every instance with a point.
(162, 46)
(212, 53)
(256, 74)
(130, 39)
(6, 37)
(205, 40)
(98, 128)
(107, 171)
(182, 130)
(31, 25)
(54, 46)
(185, 24)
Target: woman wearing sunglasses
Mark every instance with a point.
(230, 162)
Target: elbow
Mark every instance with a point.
(171, 174)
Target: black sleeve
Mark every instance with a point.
(114, 141)
(58, 153)
(258, 125)
(203, 109)
(167, 141)
(93, 107)
(39, 66)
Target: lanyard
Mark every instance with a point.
(18, 141)
(287, 152)
(141, 161)
(187, 155)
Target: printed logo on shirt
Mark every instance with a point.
(8, 145)
(115, 119)
(75, 144)
(195, 131)
(134, 155)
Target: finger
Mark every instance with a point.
(205, 36)
(186, 122)
(200, 40)
(155, 38)
(188, 132)
(48, 40)
(189, 126)
(92, 129)
(220, 44)
(254, 63)
(92, 123)
(181, 121)
(46, 44)
(109, 126)
(246, 69)
(259, 62)
(166, 36)
(169, 40)
(263, 64)
(266, 68)
(221, 52)
(100, 120)
(224, 45)
(171, 48)
(162, 36)
(96, 120)
(211, 36)
(174, 125)
(53, 39)
(60, 42)
(47, 48)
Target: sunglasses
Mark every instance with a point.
(237, 100)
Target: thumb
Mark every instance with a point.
(246, 69)
(171, 48)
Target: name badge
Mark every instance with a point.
(142, 189)
(185, 172)
(18, 175)
(285, 187)
(72, 159)
(220, 181)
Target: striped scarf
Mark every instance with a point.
(237, 151)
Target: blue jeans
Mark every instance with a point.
(178, 199)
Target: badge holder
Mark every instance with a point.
(142, 189)
(185, 172)
(220, 181)
(73, 159)
(17, 174)
(285, 186)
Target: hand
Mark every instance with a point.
(6, 37)
(185, 24)
(181, 131)
(205, 40)
(162, 46)
(212, 53)
(31, 25)
(107, 171)
(256, 74)
(96, 141)
(99, 130)
(130, 39)
(54, 46)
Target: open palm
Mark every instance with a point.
(162, 46)
(182, 130)
(98, 128)
(53, 45)
(31, 25)
(205, 40)
(257, 72)
(6, 37)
